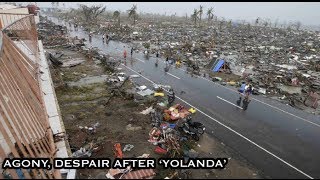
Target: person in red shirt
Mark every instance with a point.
(125, 54)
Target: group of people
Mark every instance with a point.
(125, 52)
(75, 26)
(246, 89)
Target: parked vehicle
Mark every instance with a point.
(190, 131)
(195, 129)
(197, 125)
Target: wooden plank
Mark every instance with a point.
(25, 132)
(25, 57)
(23, 109)
(26, 108)
(24, 87)
(11, 112)
(34, 71)
(31, 81)
(21, 97)
(12, 172)
(28, 93)
(20, 14)
(31, 67)
(6, 136)
(17, 105)
(29, 34)
(18, 55)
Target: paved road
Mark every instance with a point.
(280, 141)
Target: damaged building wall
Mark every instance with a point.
(10, 13)
(24, 128)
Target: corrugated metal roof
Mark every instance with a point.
(218, 65)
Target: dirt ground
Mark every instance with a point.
(225, 77)
(86, 105)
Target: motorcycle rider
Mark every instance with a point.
(248, 91)
(131, 51)
(241, 91)
(171, 96)
(157, 60)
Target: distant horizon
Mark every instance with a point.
(307, 13)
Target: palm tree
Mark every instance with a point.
(200, 13)
(221, 24)
(257, 21)
(116, 15)
(194, 16)
(276, 23)
(298, 25)
(210, 14)
(133, 13)
(248, 27)
(91, 14)
(230, 24)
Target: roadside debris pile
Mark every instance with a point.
(173, 132)
(51, 34)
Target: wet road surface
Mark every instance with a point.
(280, 141)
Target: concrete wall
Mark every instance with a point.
(15, 11)
(11, 15)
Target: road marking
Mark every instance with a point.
(252, 98)
(229, 102)
(318, 125)
(140, 60)
(231, 129)
(173, 75)
(288, 113)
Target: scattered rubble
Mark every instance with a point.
(272, 66)
(270, 57)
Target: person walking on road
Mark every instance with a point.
(167, 61)
(90, 37)
(131, 51)
(125, 54)
(171, 96)
(103, 37)
(166, 69)
(107, 38)
(241, 91)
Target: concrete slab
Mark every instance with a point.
(52, 107)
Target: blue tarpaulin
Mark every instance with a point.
(218, 65)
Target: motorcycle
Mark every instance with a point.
(156, 63)
(245, 103)
(171, 99)
(197, 125)
(189, 130)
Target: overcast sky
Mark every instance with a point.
(306, 12)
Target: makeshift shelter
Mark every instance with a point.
(220, 65)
